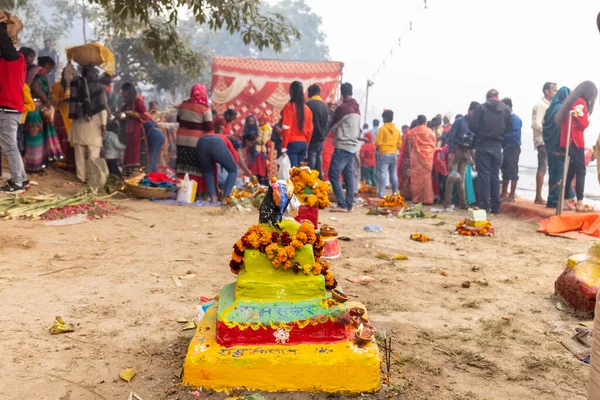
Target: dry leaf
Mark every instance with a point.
(189, 325)
(188, 276)
(383, 256)
(127, 374)
(176, 281)
(60, 326)
(134, 396)
(399, 257)
(181, 320)
(362, 279)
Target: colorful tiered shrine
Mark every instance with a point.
(278, 328)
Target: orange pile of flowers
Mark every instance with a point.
(418, 237)
(367, 189)
(394, 200)
(281, 249)
(465, 230)
(309, 189)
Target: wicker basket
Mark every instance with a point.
(142, 192)
(13, 25)
(86, 54)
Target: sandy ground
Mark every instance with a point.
(116, 289)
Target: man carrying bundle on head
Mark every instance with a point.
(12, 76)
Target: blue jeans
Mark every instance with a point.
(488, 161)
(156, 139)
(212, 149)
(315, 157)
(296, 152)
(387, 164)
(342, 163)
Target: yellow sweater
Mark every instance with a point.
(29, 105)
(388, 139)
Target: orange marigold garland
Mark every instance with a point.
(465, 230)
(309, 189)
(281, 250)
(394, 200)
(419, 237)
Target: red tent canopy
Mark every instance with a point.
(255, 86)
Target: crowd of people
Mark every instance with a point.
(78, 120)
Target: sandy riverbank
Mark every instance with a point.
(450, 342)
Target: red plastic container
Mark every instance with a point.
(311, 214)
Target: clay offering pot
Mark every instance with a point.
(339, 296)
(357, 312)
(363, 339)
(355, 322)
(328, 231)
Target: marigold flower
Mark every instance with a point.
(272, 251)
(296, 244)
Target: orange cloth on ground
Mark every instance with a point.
(588, 224)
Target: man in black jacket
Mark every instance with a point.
(320, 113)
(490, 122)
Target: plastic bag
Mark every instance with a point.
(284, 168)
(187, 191)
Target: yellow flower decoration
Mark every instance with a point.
(309, 189)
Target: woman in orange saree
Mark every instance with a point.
(422, 149)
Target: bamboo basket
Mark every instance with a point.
(142, 192)
(13, 25)
(93, 54)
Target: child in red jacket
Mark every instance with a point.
(367, 160)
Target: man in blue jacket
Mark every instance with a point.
(511, 152)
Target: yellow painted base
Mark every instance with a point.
(340, 367)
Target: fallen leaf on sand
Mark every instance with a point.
(362, 279)
(127, 374)
(560, 307)
(176, 281)
(181, 320)
(388, 257)
(189, 325)
(188, 276)
(134, 396)
(60, 326)
(444, 273)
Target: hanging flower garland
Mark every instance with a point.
(281, 249)
(309, 189)
(465, 230)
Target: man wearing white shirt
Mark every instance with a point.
(537, 121)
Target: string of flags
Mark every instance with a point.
(422, 5)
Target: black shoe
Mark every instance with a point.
(12, 187)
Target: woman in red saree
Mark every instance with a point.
(136, 153)
(422, 148)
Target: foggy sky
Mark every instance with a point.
(458, 49)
